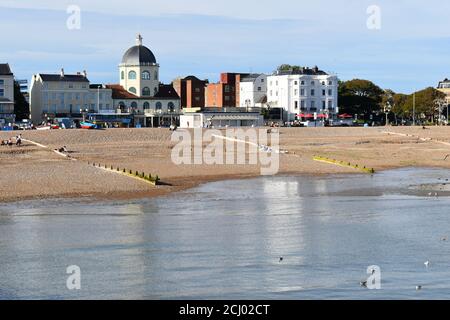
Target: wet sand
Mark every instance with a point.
(32, 172)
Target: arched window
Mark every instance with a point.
(146, 91)
(121, 104)
(134, 105)
(156, 75)
(158, 105)
(146, 75)
(146, 105)
(132, 90)
(122, 75)
(155, 90)
(132, 75)
(171, 107)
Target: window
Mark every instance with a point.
(122, 75)
(70, 85)
(330, 83)
(313, 104)
(262, 80)
(2, 82)
(171, 107)
(134, 105)
(156, 75)
(295, 83)
(145, 75)
(197, 90)
(303, 83)
(324, 105)
(313, 92)
(227, 98)
(132, 75)
(302, 104)
(330, 104)
(227, 88)
(296, 105)
(259, 89)
(158, 105)
(2, 92)
(197, 99)
(324, 93)
(330, 92)
(312, 83)
(146, 91)
(271, 92)
(323, 83)
(146, 105)
(295, 92)
(302, 92)
(132, 90)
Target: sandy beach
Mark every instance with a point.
(34, 172)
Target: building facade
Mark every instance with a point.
(225, 93)
(191, 91)
(6, 95)
(139, 100)
(444, 87)
(302, 93)
(253, 90)
(66, 96)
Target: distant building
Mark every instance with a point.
(225, 93)
(303, 92)
(65, 96)
(221, 119)
(6, 95)
(139, 99)
(253, 91)
(191, 91)
(444, 87)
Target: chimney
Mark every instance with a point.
(62, 72)
(85, 73)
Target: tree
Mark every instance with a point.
(425, 103)
(21, 106)
(361, 97)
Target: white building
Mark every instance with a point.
(253, 90)
(303, 92)
(221, 119)
(6, 95)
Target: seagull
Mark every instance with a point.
(363, 284)
(281, 259)
(427, 264)
(444, 239)
(418, 288)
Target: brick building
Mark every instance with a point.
(225, 93)
(191, 91)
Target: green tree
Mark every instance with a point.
(361, 97)
(425, 103)
(21, 106)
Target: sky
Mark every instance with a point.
(403, 45)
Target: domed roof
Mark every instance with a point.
(139, 54)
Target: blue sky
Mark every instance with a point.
(410, 51)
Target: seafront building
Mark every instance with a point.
(253, 91)
(6, 95)
(191, 91)
(138, 100)
(444, 87)
(226, 92)
(303, 93)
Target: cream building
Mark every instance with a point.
(253, 90)
(139, 100)
(6, 95)
(444, 87)
(139, 72)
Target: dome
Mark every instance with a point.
(139, 54)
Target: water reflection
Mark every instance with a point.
(224, 240)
